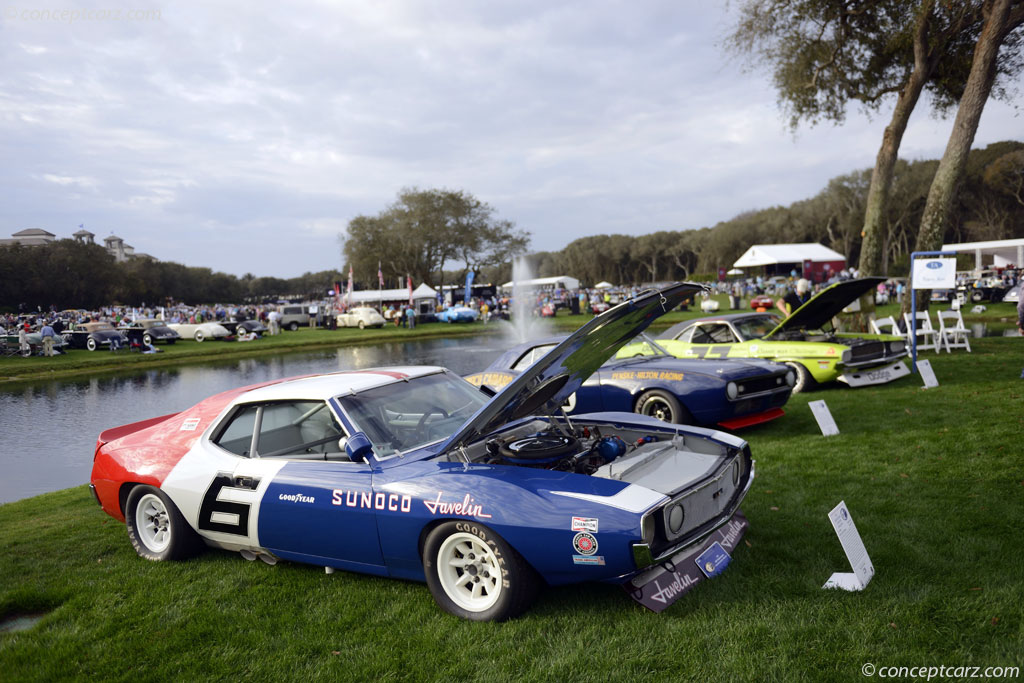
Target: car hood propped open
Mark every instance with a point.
(825, 305)
(546, 384)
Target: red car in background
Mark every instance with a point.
(762, 301)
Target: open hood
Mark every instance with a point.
(825, 305)
(545, 385)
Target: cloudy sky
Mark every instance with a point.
(244, 136)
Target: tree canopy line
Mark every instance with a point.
(824, 55)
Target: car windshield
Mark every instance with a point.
(402, 416)
(757, 326)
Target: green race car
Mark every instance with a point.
(806, 341)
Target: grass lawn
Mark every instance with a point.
(933, 478)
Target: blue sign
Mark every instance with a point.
(469, 285)
(714, 560)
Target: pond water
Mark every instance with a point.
(48, 430)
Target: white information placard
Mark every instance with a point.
(825, 421)
(934, 273)
(927, 374)
(855, 551)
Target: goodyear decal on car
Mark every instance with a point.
(648, 374)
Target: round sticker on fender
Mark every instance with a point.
(584, 543)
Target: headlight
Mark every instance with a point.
(847, 355)
(897, 346)
(731, 390)
(791, 377)
(674, 519)
(648, 529)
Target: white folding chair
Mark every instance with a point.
(955, 335)
(887, 325)
(927, 336)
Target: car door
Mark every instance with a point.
(710, 340)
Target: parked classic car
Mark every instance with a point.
(762, 301)
(729, 393)
(361, 317)
(200, 331)
(148, 331)
(457, 314)
(10, 344)
(94, 335)
(414, 473)
(806, 340)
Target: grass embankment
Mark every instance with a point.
(80, 362)
(934, 480)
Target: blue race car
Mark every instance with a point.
(414, 473)
(457, 314)
(730, 394)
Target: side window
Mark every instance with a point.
(531, 356)
(237, 436)
(686, 335)
(292, 428)
(721, 334)
(702, 335)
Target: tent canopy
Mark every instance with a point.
(775, 254)
(541, 282)
(1003, 252)
(604, 284)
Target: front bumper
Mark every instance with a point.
(877, 375)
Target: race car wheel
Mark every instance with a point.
(977, 296)
(474, 574)
(147, 339)
(662, 405)
(293, 327)
(199, 336)
(90, 344)
(804, 381)
(156, 528)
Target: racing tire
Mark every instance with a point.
(293, 327)
(156, 528)
(362, 325)
(474, 574)
(91, 344)
(147, 339)
(663, 406)
(804, 381)
(199, 336)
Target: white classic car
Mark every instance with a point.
(361, 317)
(200, 331)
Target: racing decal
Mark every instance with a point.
(823, 364)
(369, 500)
(585, 524)
(709, 352)
(596, 560)
(296, 498)
(830, 351)
(648, 374)
(584, 543)
(495, 380)
(222, 515)
(190, 424)
(466, 507)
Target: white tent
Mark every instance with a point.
(563, 281)
(603, 285)
(424, 297)
(775, 254)
(1003, 252)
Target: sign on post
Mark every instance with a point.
(927, 374)
(825, 420)
(855, 551)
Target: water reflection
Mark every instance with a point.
(48, 430)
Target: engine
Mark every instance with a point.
(583, 453)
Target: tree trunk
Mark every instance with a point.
(945, 185)
(871, 261)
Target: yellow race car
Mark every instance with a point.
(806, 341)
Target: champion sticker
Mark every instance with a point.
(585, 524)
(190, 424)
(583, 559)
(584, 543)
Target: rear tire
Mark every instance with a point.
(474, 574)
(90, 344)
(157, 530)
(147, 339)
(293, 327)
(199, 336)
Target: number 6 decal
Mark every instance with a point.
(233, 518)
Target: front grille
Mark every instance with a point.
(867, 351)
(763, 383)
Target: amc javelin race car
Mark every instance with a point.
(413, 472)
(729, 393)
(805, 341)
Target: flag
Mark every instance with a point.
(469, 286)
(380, 276)
(409, 279)
(348, 294)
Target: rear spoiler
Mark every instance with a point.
(124, 430)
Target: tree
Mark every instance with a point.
(1002, 18)
(826, 54)
(425, 229)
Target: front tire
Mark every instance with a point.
(362, 325)
(662, 405)
(804, 381)
(147, 339)
(474, 574)
(90, 344)
(157, 530)
(199, 336)
(293, 327)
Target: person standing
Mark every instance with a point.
(794, 300)
(26, 350)
(47, 333)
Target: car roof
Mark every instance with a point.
(673, 332)
(327, 386)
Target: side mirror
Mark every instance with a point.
(358, 447)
